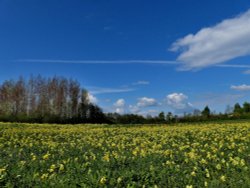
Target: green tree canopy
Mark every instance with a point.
(206, 112)
(237, 109)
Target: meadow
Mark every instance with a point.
(184, 155)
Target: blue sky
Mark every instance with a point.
(133, 56)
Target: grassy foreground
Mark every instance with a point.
(206, 155)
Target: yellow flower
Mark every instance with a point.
(119, 180)
(33, 156)
(61, 167)
(193, 173)
(134, 152)
(103, 180)
(52, 168)
(46, 156)
(192, 155)
(242, 162)
(35, 175)
(45, 176)
(223, 178)
(205, 184)
(2, 170)
(207, 175)
(203, 161)
(22, 163)
(168, 162)
(106, 157)
(218, 167)
(189, 186)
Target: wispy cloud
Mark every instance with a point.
(150, 112)
(95, 61)
(134, 109)
(246, 72)
(214, 45)
(242, 87)
(232, 66)
(108, 28)
(236, 66)
(216, 99)
(100, 90)
(141, 82)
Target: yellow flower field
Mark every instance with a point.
(199, 155)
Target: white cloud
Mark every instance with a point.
(178, 101)
(120, 110)
(107, 100)
(145, 102)
(100, 90)
(217, 99)
(92, 98)
(242, 87)
(108, 28)
(142, 103)
(233, 66)
(150, 112)
(120, 106)
(95, 61)
(134, 109)
(214, 45)
(119, 103)
(141, 82)
(246, 72)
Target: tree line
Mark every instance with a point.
(231, 113)
(61, 100)
(47, 100)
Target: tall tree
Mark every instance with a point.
(169, 116)
(19, 97)
(229, 109)
(6, 98)
(95, 114)
(62, 97)
(161, 116)
(206, 112)
(246, 107)
(31, 97)
(237, 109)
(40, 99)
(43, 98)
(74, 94)
(196, 112)
(84, 105)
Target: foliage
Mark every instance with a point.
(201, 155)
(47, 100)
(206, 112)
(61, 100)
